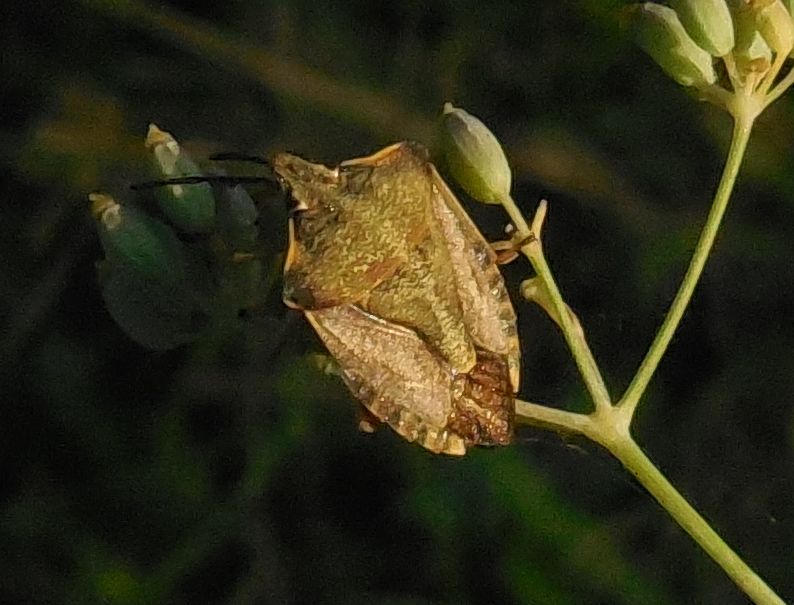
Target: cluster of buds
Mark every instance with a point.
(752, 38)
(168, 272)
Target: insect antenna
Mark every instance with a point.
(236, 156)
(211, 179)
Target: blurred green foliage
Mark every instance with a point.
(231, 471)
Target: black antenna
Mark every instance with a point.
(211, 179)
(240, 157)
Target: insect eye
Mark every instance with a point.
(313, 219)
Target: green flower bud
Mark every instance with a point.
(236, 218)
(155, 315)
(190, 207)
(474, 156)
(774, 23)
(745, 31)
(659, 32)
(708, 22)
(138, 243)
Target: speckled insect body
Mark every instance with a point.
(405, 293)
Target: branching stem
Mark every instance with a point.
(639, 384)
(609, 425)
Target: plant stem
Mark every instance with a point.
(741, 133)
(610, 426)
(604, 429)
(559, 421)
(779, 88)
(570, 326)
(573, 333)
(637, 463)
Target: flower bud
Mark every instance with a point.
(745, 31)
(659, 32)
(774, 24)
(236, 218)
(135, 241)
(155, 315)
(474, 156)
(190, 207)
(708, 22)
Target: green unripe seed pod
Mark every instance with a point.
(776, 27)
(155, 315)
(236, 218)
(190, 207)
(137, 242)
(771, 18)
(708, 22)
(474, 156)
(745, 31)
(659, 32)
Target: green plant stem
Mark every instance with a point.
(610, 426)
(779, 88)
(559, 421)
(770, 76)
(574, 335)
(741, 134)
(625, 449)
(606, 429)
(569, 326)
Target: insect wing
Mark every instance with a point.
(487, 311)
(393, 373)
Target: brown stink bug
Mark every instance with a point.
(405, 293)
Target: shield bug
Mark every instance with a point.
(405, 293)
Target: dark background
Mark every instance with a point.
(231, 470)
